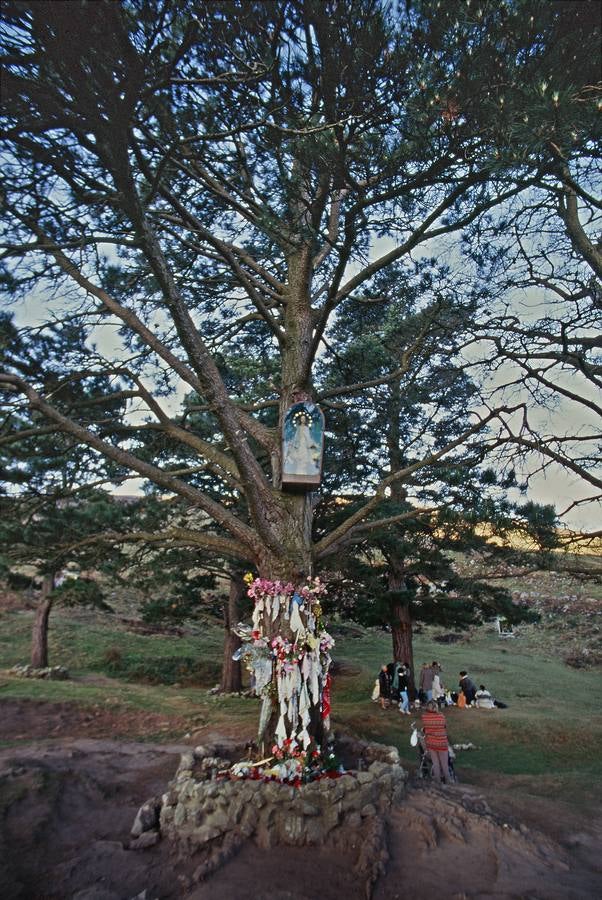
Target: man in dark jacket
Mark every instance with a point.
(404, 687)
(468, 687)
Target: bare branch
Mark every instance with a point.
(170, 537)
(123, 457)
(402, 475)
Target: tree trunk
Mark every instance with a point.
(288, 556)
(401, 632)
(401, 623)
(292, 566)
(231, 669)
(401, 619)
(39, 635)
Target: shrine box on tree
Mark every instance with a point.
(302, 447)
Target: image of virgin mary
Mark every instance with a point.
(302, 440)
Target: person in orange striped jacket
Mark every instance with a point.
(436, 741)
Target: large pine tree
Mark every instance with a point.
(183, 179)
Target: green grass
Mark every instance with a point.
(547, 739)
(81, 641)
(552, 729)
(86, 644)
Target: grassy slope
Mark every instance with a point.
(80, 641)
(546, 740)
(552, 727)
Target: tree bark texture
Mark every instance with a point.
(401, 632)
(39, 635)
(401, 623)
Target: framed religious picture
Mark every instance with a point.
(302, 446)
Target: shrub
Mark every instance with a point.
(112, 656)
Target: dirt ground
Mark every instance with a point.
(70, 789)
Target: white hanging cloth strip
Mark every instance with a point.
(263, 674)
(306, 667)
(314, 685)
(304, 738)
(280, 731)
(304, 706)
(264, 716)
(285, 685)
(257, 614)
(293, 711)
(282, 690)
(296, 620)
(275, 607)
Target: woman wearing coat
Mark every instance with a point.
(438, 689)
(384, 683)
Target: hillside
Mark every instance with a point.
(77, 757)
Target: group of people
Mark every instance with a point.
(393, 687)
(430, 685)
(470, 696)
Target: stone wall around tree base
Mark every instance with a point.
(197, 811)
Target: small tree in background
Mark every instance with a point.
(49, 505)
(37, 533)
(182, 583)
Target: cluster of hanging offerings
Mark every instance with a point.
(289, 673)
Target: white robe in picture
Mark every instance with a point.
(302, 455)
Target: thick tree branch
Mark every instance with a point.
(418, 236)
(569, 213)
(247, 423)
(402, 475)
(163, 479)
(360, 531)
(170, 537)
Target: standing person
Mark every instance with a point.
(436, 741)
(438, 688)
(426, 682)
(468, 687)
(404, 690)
(393, 669)
(384, 683)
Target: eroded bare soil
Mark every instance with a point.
(69, 792)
